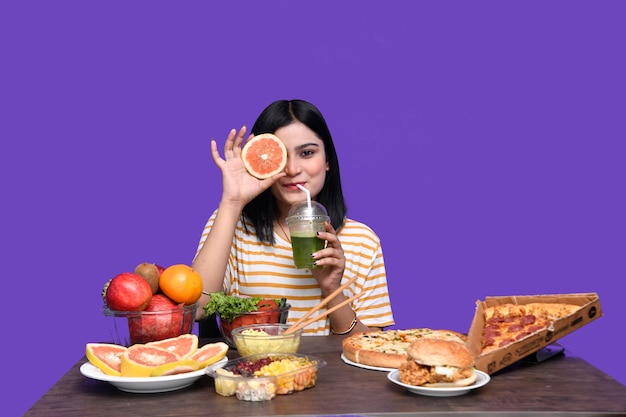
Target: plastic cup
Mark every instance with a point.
(304, 221)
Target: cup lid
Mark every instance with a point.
(303, 210)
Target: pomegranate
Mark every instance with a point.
(128, 292)
(161, 319)
(160, 302)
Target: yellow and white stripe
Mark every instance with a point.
(262, 270)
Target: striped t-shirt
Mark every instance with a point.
(259, 269)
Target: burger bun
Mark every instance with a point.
(439, 352)
(438, 363)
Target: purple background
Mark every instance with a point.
(483, 141)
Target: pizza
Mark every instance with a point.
(387, 348)
(508, 323)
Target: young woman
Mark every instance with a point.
(245, 248)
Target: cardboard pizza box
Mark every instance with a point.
(496, 360)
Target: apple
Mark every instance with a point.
(128, 292)
(161, 319)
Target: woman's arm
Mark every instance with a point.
(212, 258)
(365, 259)
(238, 188)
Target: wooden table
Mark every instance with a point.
(562, 385)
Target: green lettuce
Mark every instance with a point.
(230, 307)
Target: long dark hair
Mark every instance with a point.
(263, 210)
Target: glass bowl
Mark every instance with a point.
(132, 327)
(265, 338)
(274, 316)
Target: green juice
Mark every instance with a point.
(303, 246)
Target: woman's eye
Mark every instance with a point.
(307, 152)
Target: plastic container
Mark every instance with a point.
(297, 373)
(265, 338)
(132, 327)
(305, 220)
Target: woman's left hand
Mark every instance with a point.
(331, 261)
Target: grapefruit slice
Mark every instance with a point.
(210, 353)
(105, 356)
(264, 155)
(140, 360)
(184, 345)
(174, 368)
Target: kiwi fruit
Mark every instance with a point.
(150, 273)
(104, 290)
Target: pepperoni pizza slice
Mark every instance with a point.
(507, 323)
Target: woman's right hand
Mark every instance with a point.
(238, 186)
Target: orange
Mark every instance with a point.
(140, 360)
(184, 345)
(106, 356)
(264, 155)
(209, 353)
(181, 283)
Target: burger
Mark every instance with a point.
(438, 363)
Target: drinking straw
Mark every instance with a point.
(308, 194)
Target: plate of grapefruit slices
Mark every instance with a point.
(145, 385)
(162, 366)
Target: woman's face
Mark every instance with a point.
(306, 165)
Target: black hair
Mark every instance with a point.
(263, 210)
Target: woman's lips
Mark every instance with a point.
(293, 186)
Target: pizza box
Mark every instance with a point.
(496, 360)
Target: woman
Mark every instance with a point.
(245, 248)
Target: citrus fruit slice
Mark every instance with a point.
(173, 368)
(184, 345)
(181, 283)
(106, 356)
(140, 360)
(264, 155)
(210, 353)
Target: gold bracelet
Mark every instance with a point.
(354, 322)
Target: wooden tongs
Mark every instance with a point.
(303, 322)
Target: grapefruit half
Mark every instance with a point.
(264, 155)
(184, 345)
(140, 360)
(106, 356)
(174, 368)
(210, 353)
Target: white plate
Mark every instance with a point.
(145, 385)
(481, 380)
(360, 365)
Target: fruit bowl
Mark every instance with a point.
(132, 327)
(265, 338)
(272, 316)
